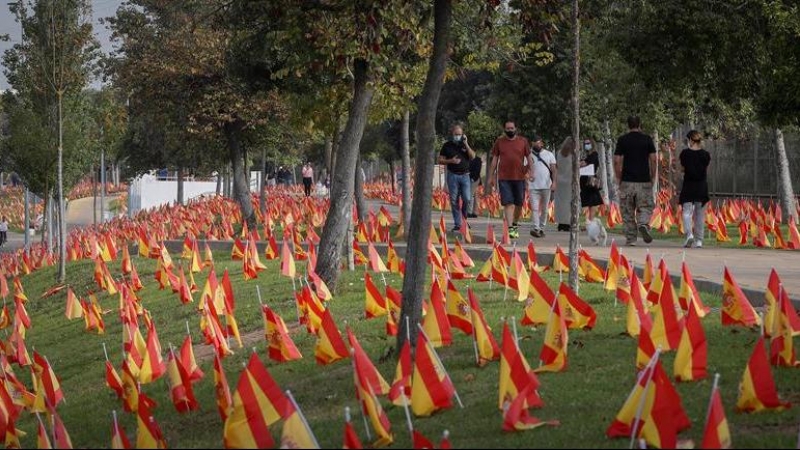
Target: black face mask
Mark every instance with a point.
(510, 133)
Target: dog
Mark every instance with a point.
(596, 232)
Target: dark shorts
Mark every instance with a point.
(512, 192)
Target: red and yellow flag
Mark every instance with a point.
(330, 345)
(351, 440)
(757, 389)
(119, 440)
(375, 303)
(517, 418)
(692, 355)
(222, 390)
(180, 385)
(458, 313)
(613, 270)
(488, 350)
(258, 402)
(400, 390)
(148, 433)
(688, 294)
(736, 309)
(560, 261)
(287, 261)
(577, 313)
(716, 433)
(431, 387)
(537, 309)
(281, 348)
(515, 374)
(296, 433)
(553, 357)
(588, 268)
(436, 325)
(366, 373)
(666, 323)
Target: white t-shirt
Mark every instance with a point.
(541, 174)
(3, 226)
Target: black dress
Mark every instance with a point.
(695, 183)
(590, 195)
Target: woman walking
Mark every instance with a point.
(590, 185)
(694, 192)
(563, 194)
(308, 178)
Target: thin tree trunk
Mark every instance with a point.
(241, 189)
(102, 185)
(219, 181)
(419, 229)
(180, 176)
(328, 155)
(94, 195)
(785, 190)
(262, 190)
(405, 152)
(657, 181)
(602, 174)
(613, 193)
(576, 137)
(392, 176)
(62, 225)
(342, 183)
(361, 202)
(50, 220)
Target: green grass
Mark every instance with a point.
(584, 399)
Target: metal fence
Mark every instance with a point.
(749, 167)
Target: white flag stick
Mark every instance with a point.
(105, 351)
(514, 330)
(710, 400)
(258, 292)
(549, 319)
(302, 418)
(188, 331)
(441, 366)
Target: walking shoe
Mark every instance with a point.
(456, 230)
(644, 230)
(698, 243)
(631, 242)
(536, 233)
(689, 241)
(541, 233)
(513, 232)
(472, 216)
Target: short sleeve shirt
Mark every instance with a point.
(541, 174)
(511, 154)
(635, 149)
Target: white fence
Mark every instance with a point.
(147, 191)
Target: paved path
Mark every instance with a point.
(750, 267)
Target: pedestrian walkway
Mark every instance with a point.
(750, 267)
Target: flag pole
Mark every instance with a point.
(408, 415)
(514, 330)
(258, 292)
(474, 337)
(302, 418)
(549, 319)
(105, 351)
(711, 399)
(361, 403)
(640, 408)
(439, 362)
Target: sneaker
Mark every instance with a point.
(513, 232)
(698, 243)
(472, 216)
(631, 242)
(644, 230)
(689, 241)
(456, 230)
(536, 233)
(541, 233)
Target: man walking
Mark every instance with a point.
(544, 182)
(509, 155)
(635, 170)
(456, 154)
(475, 166)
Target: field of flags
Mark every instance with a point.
(133, 296)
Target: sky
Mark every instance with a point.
(10, 26)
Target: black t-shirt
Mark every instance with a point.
(449, 150)
(635, 149)
(695, 164)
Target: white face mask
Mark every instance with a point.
(587, 147)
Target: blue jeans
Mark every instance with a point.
(459, 186)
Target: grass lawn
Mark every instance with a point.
(584, 399)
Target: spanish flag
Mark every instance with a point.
(690, 361)
(351, 440)
(537, 309)
(281, 348)
(400, 390)
(560, 260)
(657, 283)
(588, 268)
(222, 390)
(666, 323)
(366, 371)
(458, 312)
(436, 325)
(757, 389)
(648, 271)
(180, 385)
(375, 262)
(487, 345)
(186, 356)
(393, 260)
(518, 278)
(577, 313)
(781, 347)
(515, 374)
(716, 433)
(553, 357)
(688, 295)
(371, 406)
(431, 388)
(517, 418)
(148, 433)
(330, 345)
(777, 310)
(736, 309)
(533, 264)
(119, 440)
(613, 269)
(73, 310)
(296, 432)
(258, 402)
(375, 304)
(287, 261)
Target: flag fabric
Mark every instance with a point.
(537, 309)
(613, 269)
(180, 386)
(222, 390)
(113, 381)
(366, 372)
(186, 356)
(371, 407)
(560, 261)
(588, 268)
(431, 387)
(148, 433)
(458, 312)
(61, 437)
(637, 316)
(73, 309)
(518, 278)
(375, 303)
(516, 416)
(553, 357)
(577, 313)
(435, 324)
(666, 332)
(736, 309)
(688, 295)
(488, 350)
(716, 433)
(47, 380)
(757, 390)
(351, 440)
(42, 438)
(419, 441)
(280, 346)
(515, 374)
(119, 440)
(330, 346)
(690, 360)
(400, 390)
(781, 347)
(776, 310)
(287, 261)
(296, 433)
(375, 262)
(258, 402)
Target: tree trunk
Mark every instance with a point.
(181, 176)
(613, 193)
(219, 181)
(62, 217)
(50, 220)
(418, 232)
(576, 137)
(262, 190)
(602, 172)
(361, 202)
(241, 189)
(343, 180)
(94, 195)
(102, 185)
(657, 181)
(406, 155)
(392, 176)
(328, 156)
(785, 190)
